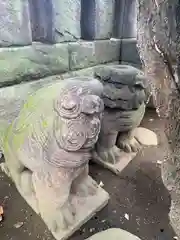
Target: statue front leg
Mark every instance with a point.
(83, 184)
(127, 140)
(52, 191)
(108, 152)
(106, 147)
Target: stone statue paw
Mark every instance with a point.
(63, 218)
(110, 155)
(128, 144)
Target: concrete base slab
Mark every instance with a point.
(118, 167)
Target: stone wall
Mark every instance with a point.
(44, 38)
(48, 40)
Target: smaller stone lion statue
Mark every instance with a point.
(124, 97)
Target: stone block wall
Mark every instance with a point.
(42, 41)
(38, 60)
(49, 40)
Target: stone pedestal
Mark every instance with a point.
(123, 160)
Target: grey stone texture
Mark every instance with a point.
(89, 53)
(130, 19)
(67, 20)
(40, 60)
(97, 19)
(32, 62)
(130, 56)
(12, 98)
(55, 21)
(129, 52)
(123, 96)
(124, 86)
(14, 23)
(125, 19)
(150, 103)
(42, 20)
(74, 197)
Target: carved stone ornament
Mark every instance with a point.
(47, 149)
(124, 97)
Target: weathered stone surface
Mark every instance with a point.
(107, 50)
(67, 16)
(55, 21)
(47, 149)
(83, 72)
(125, 19)
(150, 103)
(42, 20)
(12, 98)
(136, 65)
(121, 75)
(89, 71)
(97, 19)
(124, 86)
(114, 234)
(129, 52)
(82, 55)
(32, 62)
(130, 20)
(85, 54)
(145, 136)
(124, 99)
(116, 145)
(117, 167)
(118, 19)
(14, 23)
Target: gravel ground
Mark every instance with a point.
(139, 202)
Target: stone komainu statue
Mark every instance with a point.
(48, 146)
(124, 97)
(60, 128)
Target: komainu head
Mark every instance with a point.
(78, 114)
